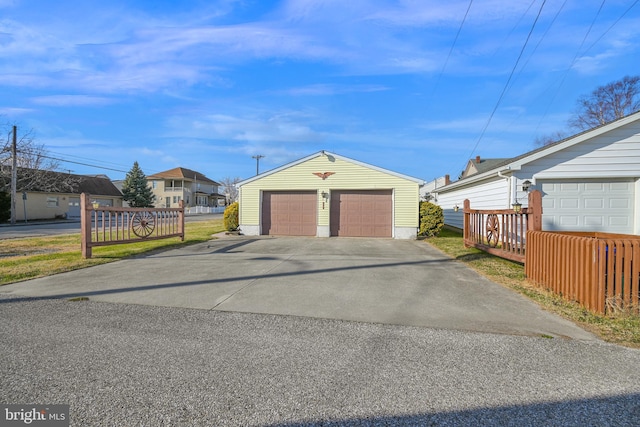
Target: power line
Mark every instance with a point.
(575, 59)
(609, 29)
(506, 86)
(455, 40)
(535, 49)
(85, 159)
(80, 163)
(555, 17)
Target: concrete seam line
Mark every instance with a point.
(250, 283)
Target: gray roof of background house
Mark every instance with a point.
(487, 164)
(97, 185)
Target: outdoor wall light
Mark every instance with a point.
(324, 195)
(526, 185)
(517, 207)
(456, 208)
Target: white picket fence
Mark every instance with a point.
(201, 210)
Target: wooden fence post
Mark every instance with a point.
(466, 216)
(85, 224)
(534, 210)
(181, 219)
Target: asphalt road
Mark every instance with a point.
(53, 228)
(122, 359)
(125, 365)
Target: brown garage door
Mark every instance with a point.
(361, 213)
(289, 213)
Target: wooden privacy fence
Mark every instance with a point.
(502, 232)
(601, 271)
(106, 225)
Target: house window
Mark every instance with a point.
(176, 199)
(52, 202)
(105, 202)
(154, 184)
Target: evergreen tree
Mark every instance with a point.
(136, 190)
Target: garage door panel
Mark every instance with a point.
(621, 186)
(361, 213)
(619, 203)
(591, 186)
(289, 213)
(619, 221)
(573, 186)
(593, 203)
(589, 205)
(569, 204)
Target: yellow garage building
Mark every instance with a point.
(325, 195)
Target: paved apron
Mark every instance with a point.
(368, 280)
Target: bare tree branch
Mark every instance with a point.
(229, 188)
(607, 103)
(549, 138)
(34, 167)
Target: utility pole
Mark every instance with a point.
(14, 174)
(257, 157)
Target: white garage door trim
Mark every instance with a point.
(605, 205)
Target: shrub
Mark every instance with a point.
(5, 206)
(230, 217)
(431, 219)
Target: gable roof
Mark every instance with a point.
(98, 185)
(516, 163)
(481, 165)
(337, 156)
(182, 173)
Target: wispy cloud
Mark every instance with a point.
(331, 89)
(71, 100)
(163, 156)
(14, 111)
(270, 127)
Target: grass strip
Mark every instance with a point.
(621, 328)
(33, 257)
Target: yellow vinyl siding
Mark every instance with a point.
(346, 175)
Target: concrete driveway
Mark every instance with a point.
(369, 280)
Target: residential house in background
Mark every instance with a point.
(480, 165)
(179, 183)
(589, 182)
(38, 203)
(428, 190)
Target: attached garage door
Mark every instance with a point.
(289, 213)
(588, 205)
(361, 213)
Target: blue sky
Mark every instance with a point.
(407, 85)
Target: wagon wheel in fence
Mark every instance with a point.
(493, 230)
(143, 224)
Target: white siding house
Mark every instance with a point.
(589, 182)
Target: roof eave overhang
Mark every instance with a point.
(518, 162)
(327, 153)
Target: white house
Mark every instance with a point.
(589, 182)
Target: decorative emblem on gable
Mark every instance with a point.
(323, 175)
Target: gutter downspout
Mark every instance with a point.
(510, 186)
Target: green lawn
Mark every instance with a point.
(620, 328)
(28, 258)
